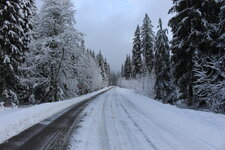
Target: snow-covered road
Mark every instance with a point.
(123, 120)
(14, 121)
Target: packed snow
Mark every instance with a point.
(13, 121)
(123, 120)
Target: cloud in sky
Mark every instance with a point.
(109, 25)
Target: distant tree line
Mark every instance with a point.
(42, 56)
(189, 69)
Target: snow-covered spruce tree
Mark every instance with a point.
(103, 66)
(125, 67)
(221, 31)
(107, 71)
(93, 54)
(11, 50)
(83, 46)
(182, 54)
(193, 29)
(128, 68)
(100, 61)
(162, 66)
(53, 52)
(122, 71)
(210, 82)
(136, 54)
(29, 11)
(147, 39)
(87, 74)
(210, 12)
(209, 67)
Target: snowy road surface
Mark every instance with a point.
(123, 120)
(14, 121)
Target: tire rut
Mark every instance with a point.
(139, 128)
(53, 135)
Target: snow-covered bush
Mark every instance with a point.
(10, 97)
(141, 85)
(58, 64)
(210, 82)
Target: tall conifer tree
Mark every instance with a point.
(122, 70)
(147, 38)
(136, 54)
(29, 10)
(193, 34)
(128, 67)
(162, 65)
(221, 31)
(11, 49)
(209, 63)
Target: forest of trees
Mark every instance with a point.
(189, 69)
(43, 57)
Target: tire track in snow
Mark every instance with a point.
(118, 122)
(128, 139)
(118, 130)
(148, 125)
(103, 128)
(139, 128)
(161, 126)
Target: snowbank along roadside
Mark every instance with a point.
(14, 121)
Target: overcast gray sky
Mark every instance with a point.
(109, 25)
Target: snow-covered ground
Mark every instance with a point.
(142, 85)
(14, 121)
(123, 120)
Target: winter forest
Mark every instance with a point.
(43, 57)
(112, 75)
(189, 70)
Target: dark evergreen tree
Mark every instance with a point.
(11, 49)
(209, 63)
(136, 54)
(210, 82)
(182, 56)
(147, 38)
(122, 71)
(104, 67)
(83, 48)
(193, 33)
(30, 15)
(128, 67)
(162, 65)
(107, 71)
(221, 31)
(29, 10)
(125, 68)
(101, 62)
(93, 54)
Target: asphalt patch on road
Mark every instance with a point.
(52, 133)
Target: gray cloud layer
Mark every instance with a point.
(109, 25)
